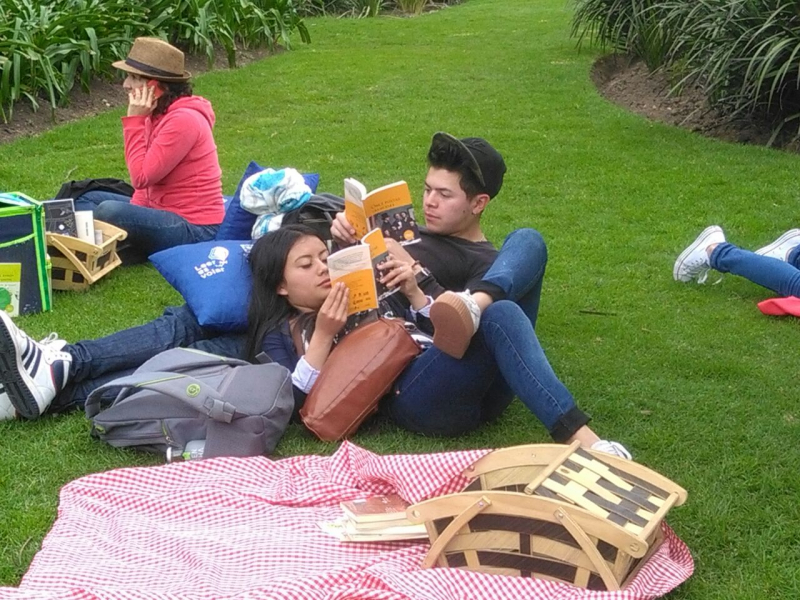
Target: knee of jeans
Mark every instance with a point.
(531, 240)
(503, 312)
(110, 211)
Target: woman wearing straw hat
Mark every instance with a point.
(170, 154)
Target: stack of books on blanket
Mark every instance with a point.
(376, 519)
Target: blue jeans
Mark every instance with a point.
(441, 395)
(776, 275)
(149, 229)
(95, 362)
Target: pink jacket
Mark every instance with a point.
(173, 161)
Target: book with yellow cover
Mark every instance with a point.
(387, 208)
(357, 267)
(353, 267)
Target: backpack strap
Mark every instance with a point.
(179, 360)
(203, 398)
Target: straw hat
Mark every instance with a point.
(154, 59)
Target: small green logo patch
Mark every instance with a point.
(192, 390)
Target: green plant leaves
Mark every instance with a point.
(48, 45)
(745, 53)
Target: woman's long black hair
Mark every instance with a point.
(172, 91)
(267, 308)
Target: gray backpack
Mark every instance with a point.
(227, 406)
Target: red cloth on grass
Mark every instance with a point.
(248, 528)
(779, 307)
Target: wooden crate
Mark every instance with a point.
(78, 264)
(554, 512)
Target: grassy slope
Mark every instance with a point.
(693, 380)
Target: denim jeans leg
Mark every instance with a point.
(129, 348)
(513, 344)
(794, 257)
(91, 200)
(781, 277)
(518, 271)
(441, 395)
(75, 394)
(95, 362)
(231, 345)
(151, 230)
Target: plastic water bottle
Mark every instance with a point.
(193, 450)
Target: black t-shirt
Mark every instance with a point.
(455, 264)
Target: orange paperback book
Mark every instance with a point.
(387, 208)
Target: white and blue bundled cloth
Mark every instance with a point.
(270, 194)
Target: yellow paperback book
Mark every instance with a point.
(387, 208)
(357, 268)
(353, 267)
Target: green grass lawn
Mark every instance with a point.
(692, 379)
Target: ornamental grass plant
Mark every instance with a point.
(744, 53)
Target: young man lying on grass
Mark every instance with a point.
(482, 303)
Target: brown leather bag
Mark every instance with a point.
(358, 373)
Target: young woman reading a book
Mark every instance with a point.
(296, 317)
(170, 154)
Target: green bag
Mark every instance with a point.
(24, 278)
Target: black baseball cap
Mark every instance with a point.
(485, 163)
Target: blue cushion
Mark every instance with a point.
(214, 279)
(238, 223)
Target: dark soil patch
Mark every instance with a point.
(628, 83)
(102, 96)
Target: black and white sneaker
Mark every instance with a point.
(31, 372)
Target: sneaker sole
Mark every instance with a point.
(704, 235)
(16, 380)
(774, 245)
(452, 323)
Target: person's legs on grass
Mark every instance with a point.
(35, 375)
(773, 266)
(441, 395)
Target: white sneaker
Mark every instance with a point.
(455, 317)
(31, 372)
(781, 247)
(7, 410)
(693, 263)
(614, 448)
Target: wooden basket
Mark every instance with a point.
(554, 512)
(78, 264)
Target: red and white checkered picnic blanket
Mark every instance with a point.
(248, 528)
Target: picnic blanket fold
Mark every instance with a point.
(249, 528)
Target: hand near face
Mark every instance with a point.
(141, 101)
(333, 314)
